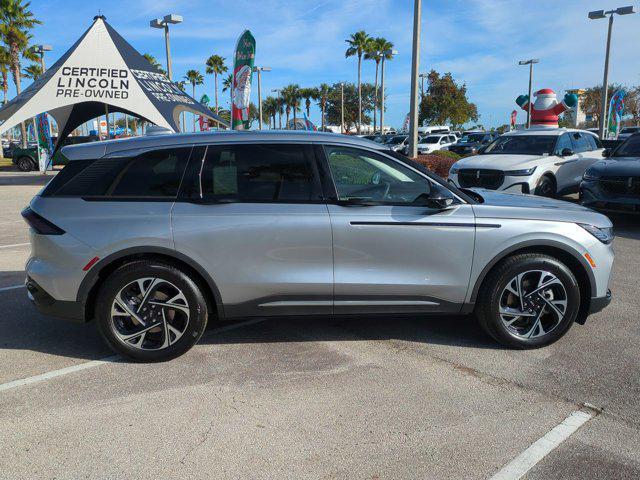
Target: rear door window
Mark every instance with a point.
(248, 173)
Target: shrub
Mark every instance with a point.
(438, 163)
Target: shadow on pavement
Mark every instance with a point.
(18, 178)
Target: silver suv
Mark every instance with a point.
(154, 237)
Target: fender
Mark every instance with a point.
(529, 244)
(92, 276)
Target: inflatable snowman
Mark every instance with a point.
(546, 108)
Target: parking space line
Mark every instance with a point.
(12, 287)
(14, 245)
(542, 447)
(96, 363)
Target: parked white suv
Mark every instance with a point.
(546, 162)
(431, 143)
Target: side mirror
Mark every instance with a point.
(566, 152)
(606, 152)
(440, 200)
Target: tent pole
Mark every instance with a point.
(106, 114)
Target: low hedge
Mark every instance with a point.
(439, 162)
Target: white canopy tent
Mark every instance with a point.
(102, 69)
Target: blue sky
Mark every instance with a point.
(479, 41)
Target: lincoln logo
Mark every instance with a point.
(630, 183)
(478, 174)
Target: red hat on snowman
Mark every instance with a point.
(546, 108)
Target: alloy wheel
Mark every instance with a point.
(149, 314)
(533, 303)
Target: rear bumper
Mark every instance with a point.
(48, 305)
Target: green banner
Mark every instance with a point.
(242, 74)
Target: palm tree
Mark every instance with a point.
(291, 98)
(194, 77)
(323, 93)
(358, 44)
(5, 65)
(270, 109)
(16, 20)
(280, 107)
(309, 94)
(33, 71)
(376, 48)
(154, 63)
(215, 65)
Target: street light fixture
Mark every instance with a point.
(164, 23)
(385, 54)
(596, 15)
(422, 76)
(258, 70)
(415, 66)
(530, 63)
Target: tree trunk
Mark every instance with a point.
(375, 101)
(323, 106)
(359, 93)
(215, 78)
(295, 125)
(279, 119)
(308, 105)
(287, 112)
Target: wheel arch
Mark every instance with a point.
(90, 285)
(567, 255)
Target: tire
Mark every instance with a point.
(499, 303)
(25, 164)
(160, 296)
(546, 187)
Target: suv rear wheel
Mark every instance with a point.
(150, 311)
(528, 301)
(25, 164)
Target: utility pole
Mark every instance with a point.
(163, 23)
(258, 70)
(530, 63)
(596, 15)
(415, 66)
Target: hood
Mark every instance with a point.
(500, 162)
(621, 166)
(531, 207)
(467, 144)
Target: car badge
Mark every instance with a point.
(630, 183)
(478, 174)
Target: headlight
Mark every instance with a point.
(589, 176)
(605, 235)
(520, 173)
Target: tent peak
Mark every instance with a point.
(99, 16)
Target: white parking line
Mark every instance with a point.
(12, 287)
(542, 447)
(14, 245)
(96, 363)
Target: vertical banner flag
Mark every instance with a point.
(514, 117)
(242, 73)
(203, 121)
(308, 124)
(45, 142)
(616, 110)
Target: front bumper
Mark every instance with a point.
(592, 195)
(48, 305)
(599, 303)
(510, 184)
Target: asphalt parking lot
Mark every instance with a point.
(383, 398)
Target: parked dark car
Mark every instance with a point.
(613, 183)
(26, 159)
(472, 141)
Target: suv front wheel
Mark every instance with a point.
(25, 164)
(150, 311)
(528, 301)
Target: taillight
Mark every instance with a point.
(39, 224)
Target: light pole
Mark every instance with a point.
(342, 107)
(258, 70)
(277, 92)
(40, 49)
(422, 77)
(415, 68)
(530, 63)
(164, 22)
(596, 15)
(386, 53)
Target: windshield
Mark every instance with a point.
(522, 145)
(472, 137)
(630, 148)
(430, 139)
(395, 139)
